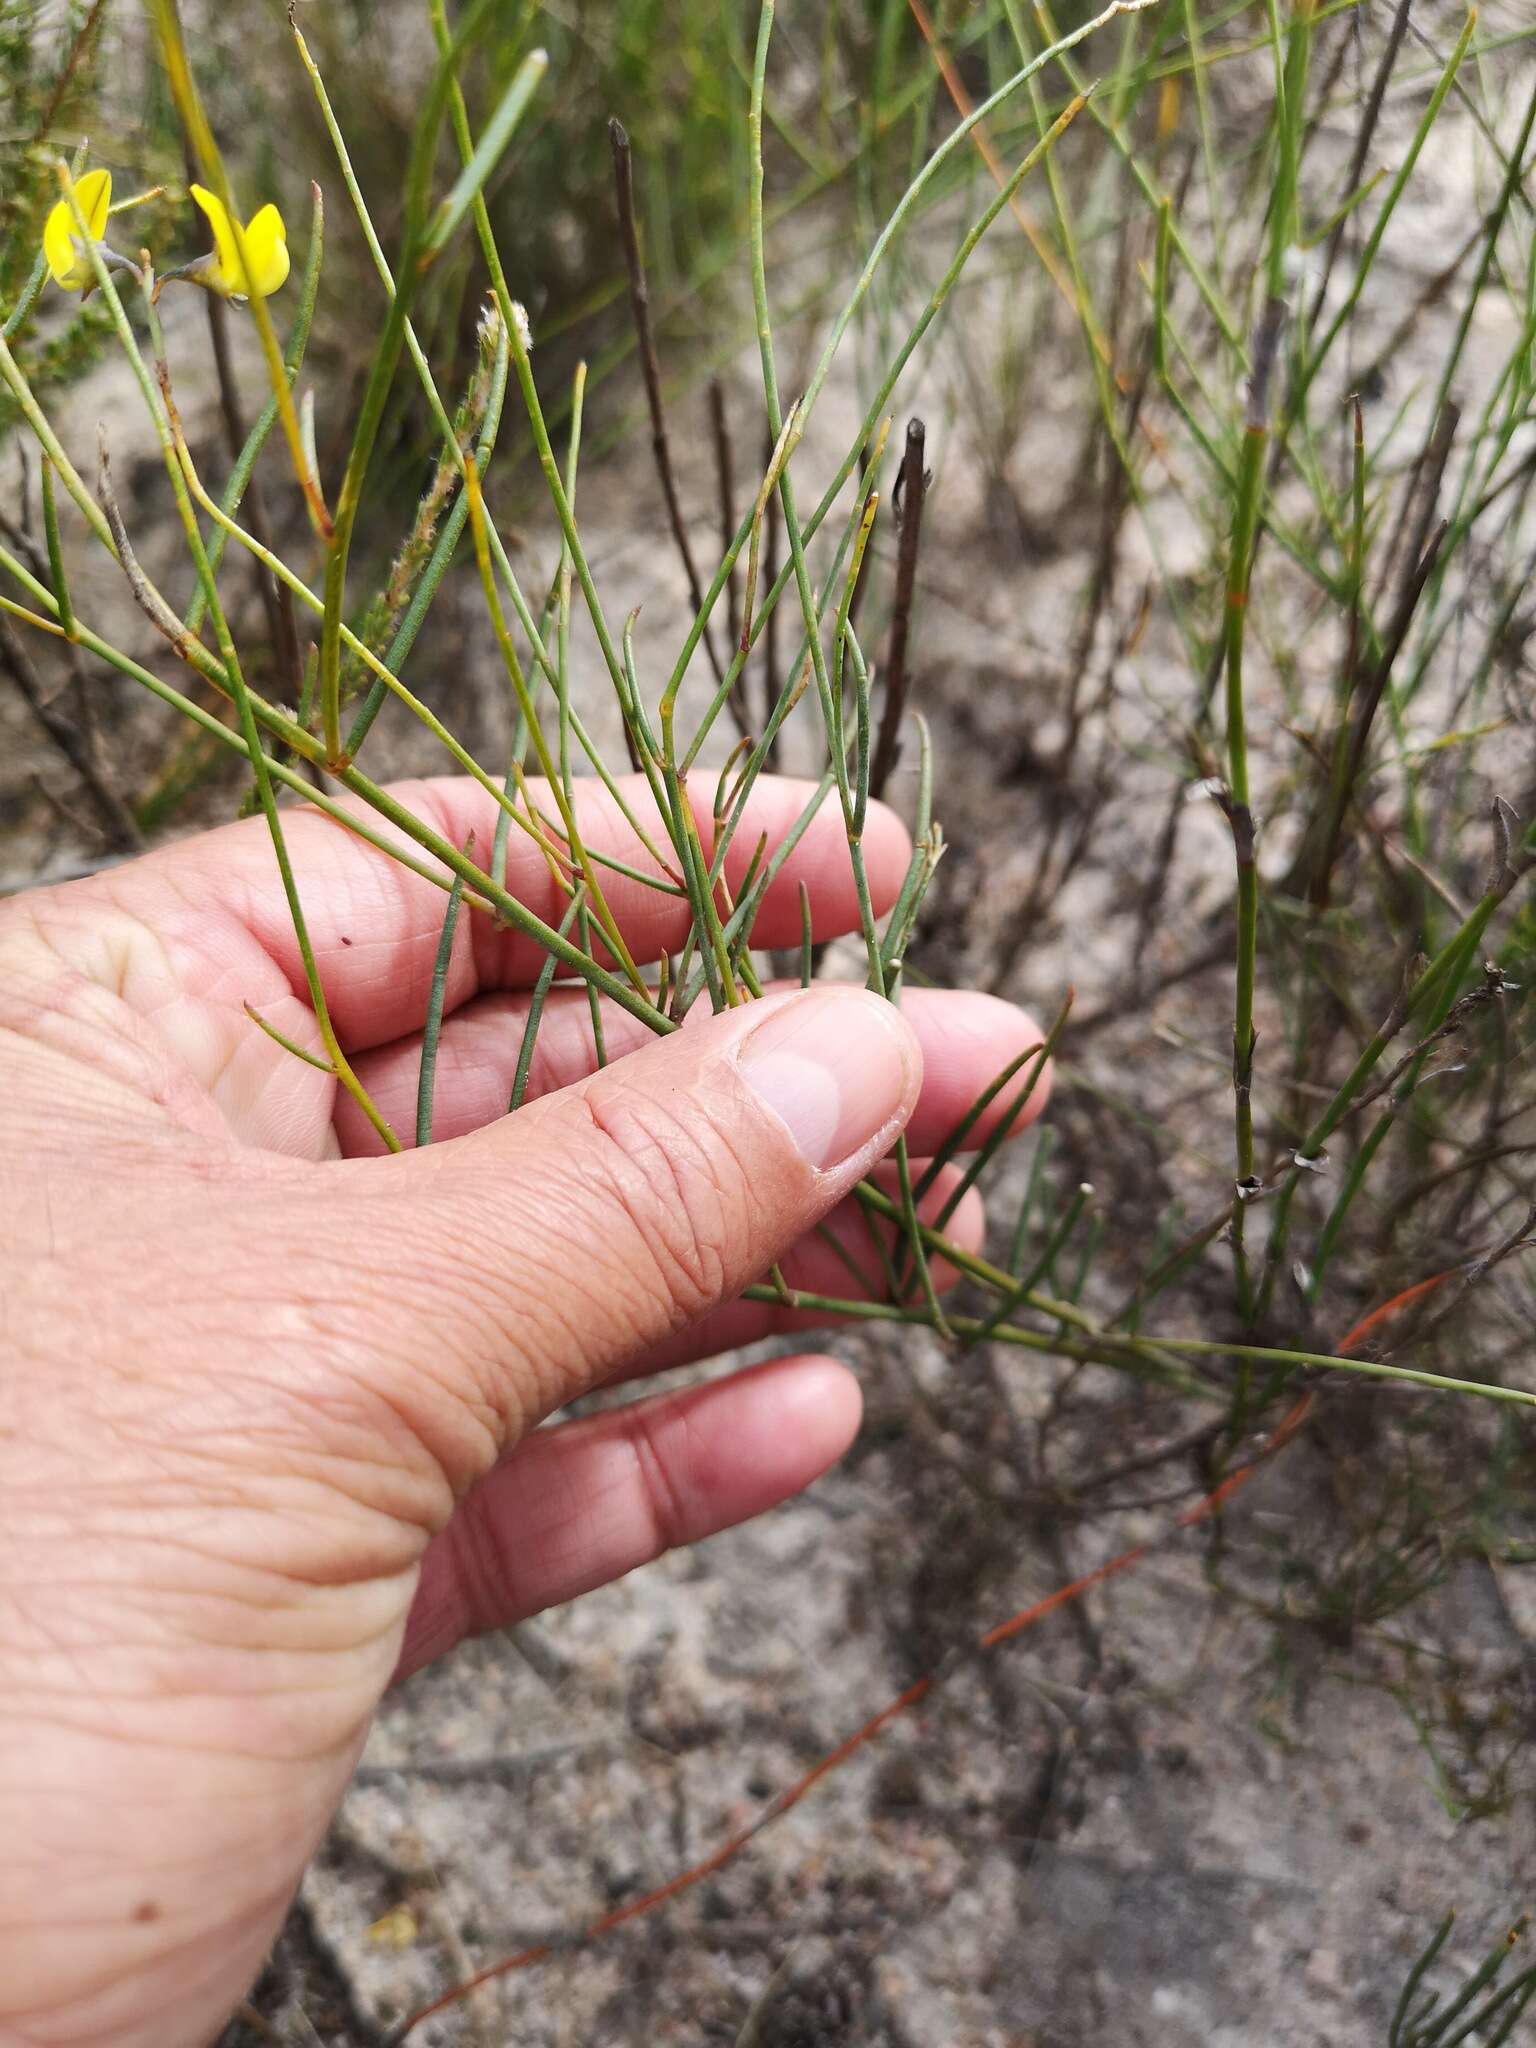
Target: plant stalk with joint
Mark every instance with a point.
(1250, 489)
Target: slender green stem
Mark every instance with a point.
(1035, 1057)
(1105, 1349)
(432, 1028)
(56, 567)
(31, 291)
(536, 1002)
(1245, 522)
(288, 1044)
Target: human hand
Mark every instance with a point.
(269, 1405)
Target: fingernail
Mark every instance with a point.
(838, 1066)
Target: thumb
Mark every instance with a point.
(601, 1219)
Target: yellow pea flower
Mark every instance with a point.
(266, 249)
(67, 260)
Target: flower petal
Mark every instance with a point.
(231, 278)
(59, 245)
(266, 249)
(67, 261)
(94, 192)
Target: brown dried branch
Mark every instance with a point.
(145, 595)
(650, 370)
(725, 478)
(1330, 829)
(907, 501)
(75, 739)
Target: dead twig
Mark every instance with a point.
(75, 739)
(1350, 749)
(650, 370)
(145, 595)
(907, 501)
(725, 480)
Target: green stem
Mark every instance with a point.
(1250, 491)
(56, 554)
(1107, 1350)
(432, 1028)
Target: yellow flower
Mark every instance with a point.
(266, 249)
(68, 261)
